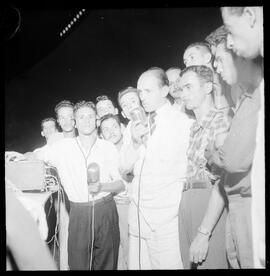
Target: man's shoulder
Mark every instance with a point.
(106, 145)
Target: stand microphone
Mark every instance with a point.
(93, 176)
(93, 173)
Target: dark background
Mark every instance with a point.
(105, 51)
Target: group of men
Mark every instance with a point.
(182, 184)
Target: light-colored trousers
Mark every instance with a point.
(159, 249)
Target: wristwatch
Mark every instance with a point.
(204, 231)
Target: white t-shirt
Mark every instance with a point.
(71, 162)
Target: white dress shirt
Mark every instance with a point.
(68, 156)
(161, 165)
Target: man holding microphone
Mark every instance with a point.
(157, 157)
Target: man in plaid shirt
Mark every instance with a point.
(202, 214)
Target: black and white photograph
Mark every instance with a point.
(134, 138)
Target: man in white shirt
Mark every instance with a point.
(157, 156)
(90, 206)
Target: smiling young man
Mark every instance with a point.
(201, 212)
(71, 157)
(156, 155)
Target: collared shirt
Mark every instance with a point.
(160, 167)
(236, 154)
(203, 134)
(71, 161)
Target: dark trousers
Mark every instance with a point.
(192, 209)
(106, 235)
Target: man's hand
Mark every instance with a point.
(199, 248)
(138, 132)
(94, 188)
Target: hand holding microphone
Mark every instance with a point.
(139, 127)
(93, 178)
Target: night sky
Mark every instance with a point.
(104, 52)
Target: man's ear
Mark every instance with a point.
(208, 87)
(116, 111)
(250, 15)
(73, 122)
(165, 91)
(207, 57)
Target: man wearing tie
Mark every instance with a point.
(157, 157)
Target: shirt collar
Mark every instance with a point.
(163, 108)
(204, 123)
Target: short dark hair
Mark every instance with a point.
(81, 104)
(49, 119)
(199, 44)
(103, 98)
(234, 10)
(109, 116)
(160, 74)
(64, 103)
(204, 72)
(217, 36)
(125, 91)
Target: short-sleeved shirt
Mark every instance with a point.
(201, 135)
(71, 161)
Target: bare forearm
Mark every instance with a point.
(214, 209)
(113, 187)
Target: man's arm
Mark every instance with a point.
(199, 246)
(236, 154)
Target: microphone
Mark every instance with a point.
(138, 115)
(93, 173)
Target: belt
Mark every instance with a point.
(102, 200)
(97, 201)
(197, 185)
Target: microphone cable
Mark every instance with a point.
(92, 221)
(139, 197)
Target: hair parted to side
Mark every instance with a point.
(49, 119)
(204, 72)
(109, 116)
(160, 75)
(103, 98)
(198, 45)
(125, 91)
(82, 104)
(64, 103)
(234, 10)
(217, 36)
